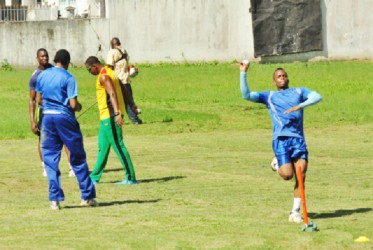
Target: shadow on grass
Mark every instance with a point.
(163, 179)
(115, 203)
(339, 213)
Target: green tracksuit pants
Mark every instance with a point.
(110, 135)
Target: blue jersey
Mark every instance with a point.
(34, 77)
(277, 102)
(57, 86)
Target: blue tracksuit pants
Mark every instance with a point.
(59, 129)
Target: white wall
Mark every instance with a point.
(349, 29)
(174, 30)
(82, 38)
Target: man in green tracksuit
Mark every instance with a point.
(111, 107)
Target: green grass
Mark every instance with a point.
(202, 158)
(192, 98)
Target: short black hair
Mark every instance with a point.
(40, 50)
(92, 60)
(278, 70)
(62, 56)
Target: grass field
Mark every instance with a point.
(202, 159)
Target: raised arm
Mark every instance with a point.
(246, 93)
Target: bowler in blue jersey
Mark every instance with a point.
(57, 91)
(286, 107)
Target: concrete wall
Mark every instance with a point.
(174, 30)
(349, 29)
(177, 30)
(19, 41)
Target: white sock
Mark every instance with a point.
(296, 205)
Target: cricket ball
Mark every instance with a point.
(246, 62)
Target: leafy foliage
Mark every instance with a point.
(6, 66)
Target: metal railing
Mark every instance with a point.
(13, 14)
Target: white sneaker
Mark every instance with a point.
(274, 164)
(55, 205)
(295, 217)
(89, 203)
(44, 173)
(71, 173)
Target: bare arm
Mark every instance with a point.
(75, 104)
(32, 107)
(109, 87)
(39, 99)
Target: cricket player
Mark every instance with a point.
(286, 110)
(111, 106)
(57, 90)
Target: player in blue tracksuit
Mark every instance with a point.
(57, 90)
(286, 110)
